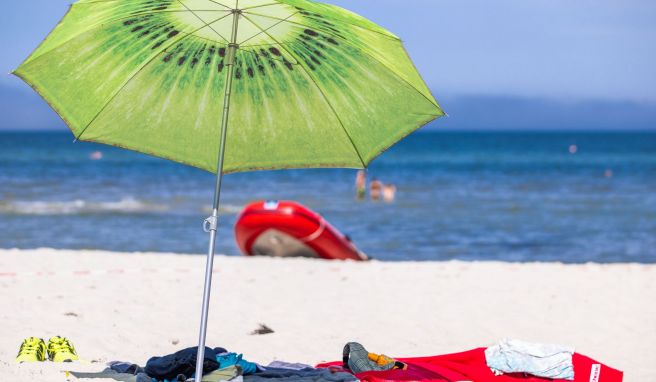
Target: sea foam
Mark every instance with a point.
(80, 207)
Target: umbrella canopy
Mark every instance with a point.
(230, 85)
(314, 85)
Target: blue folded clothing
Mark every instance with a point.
(125, 367)
(179, 365)
(232, 359)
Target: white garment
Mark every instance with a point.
(540, 360)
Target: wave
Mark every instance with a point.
(230, 209)
(80, 207)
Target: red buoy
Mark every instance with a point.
(288, 229)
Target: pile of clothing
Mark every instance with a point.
(218, 365)
(507, 361)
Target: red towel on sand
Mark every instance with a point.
(471, 366)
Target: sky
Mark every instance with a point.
(518, 64)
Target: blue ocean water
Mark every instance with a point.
(468, 196)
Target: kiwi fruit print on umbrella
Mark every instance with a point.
(314, 85)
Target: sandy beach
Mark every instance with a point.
(133, 306)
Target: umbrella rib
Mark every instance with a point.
(260, 6)
(386, 33)
(106, 1)
(109, 101)
(249, 50)
(272, 26)
(361, 50)
(99, 25)
(98, 1)
(208, 25)
(355, 47)
(332, 108)
(339, 21)
(287, 20)
(255, 53)
(432, 101)
(223, 5)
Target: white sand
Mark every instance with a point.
(402, 309)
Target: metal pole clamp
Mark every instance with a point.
(211, 224)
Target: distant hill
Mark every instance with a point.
(22, 109)
(515, 113)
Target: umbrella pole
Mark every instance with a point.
(211, 224)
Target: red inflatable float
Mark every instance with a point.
(288, 229)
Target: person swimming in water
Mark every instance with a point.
(375, 189)
(361, 184)
(389, 193)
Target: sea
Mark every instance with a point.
(572, 197)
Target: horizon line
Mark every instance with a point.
(427, 129)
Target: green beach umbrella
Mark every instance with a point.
(231, 85)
